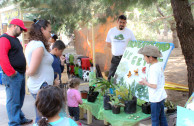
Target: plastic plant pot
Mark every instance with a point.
(116, 109)
(84, 94)
(106, 100)
(91, 98)
(171, 110)
(146, 108)
(130, 106)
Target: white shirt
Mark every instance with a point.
(155, 75)
(119, 39)
(44, 73)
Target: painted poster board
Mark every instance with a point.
(132, 67)
(190, 102)
(185, 117)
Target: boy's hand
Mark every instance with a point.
(62, 58)
(143, 81)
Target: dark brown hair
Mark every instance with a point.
(152, 56)
(59, 45)
(123, 17)
(54, 37)
(36, 33)
(74, 82)
(49, 102)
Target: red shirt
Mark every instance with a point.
(5, 64)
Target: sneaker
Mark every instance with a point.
(80, 124)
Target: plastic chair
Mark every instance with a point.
(86, 63)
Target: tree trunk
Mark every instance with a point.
(175, 39)
(185, 31)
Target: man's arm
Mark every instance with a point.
(108, 40)
(5, 46)
(108, 44)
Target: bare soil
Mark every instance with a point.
(176, 72)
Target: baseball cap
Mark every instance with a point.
(150, 50)
(19, 23)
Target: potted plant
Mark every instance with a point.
(130, 102)
(146, 108)
(84, 94)
(171, 108)
(103, 86)
(116, 104)
(92, 95)
(121, 90)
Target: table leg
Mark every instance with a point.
(89, 117)
(81, 113)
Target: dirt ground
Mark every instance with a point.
(176, 72)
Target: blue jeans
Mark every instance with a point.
(74, 112)
(15, 92)
(157, 114)
(38, 116)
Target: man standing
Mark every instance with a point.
(117, 40)
(13, 63)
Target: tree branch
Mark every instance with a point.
(159, 11)
(160, 18)
(192, 3)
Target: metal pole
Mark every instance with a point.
(23, 45)
(93, 43)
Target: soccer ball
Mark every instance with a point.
(86, 75)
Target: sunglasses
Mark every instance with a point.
(21, 29)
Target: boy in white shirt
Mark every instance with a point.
(155, 81)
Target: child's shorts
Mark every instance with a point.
(74, 112)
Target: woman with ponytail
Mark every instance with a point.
(49, 102)
(39, 60)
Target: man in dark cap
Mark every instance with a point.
(13, 63)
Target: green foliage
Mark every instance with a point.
(169, 104)
(139, 90)
(114, 101)
(70, 15)
(103, 85)
(128, 96)
(134, 90)
(3, 3)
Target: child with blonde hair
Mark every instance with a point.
(74, 99)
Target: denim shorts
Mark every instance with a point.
(44, 84)
(74, 112)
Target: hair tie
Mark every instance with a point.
(45, 118)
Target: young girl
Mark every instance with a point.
(49, 102)
(74, 99)
(155, 81)
(52, 40)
